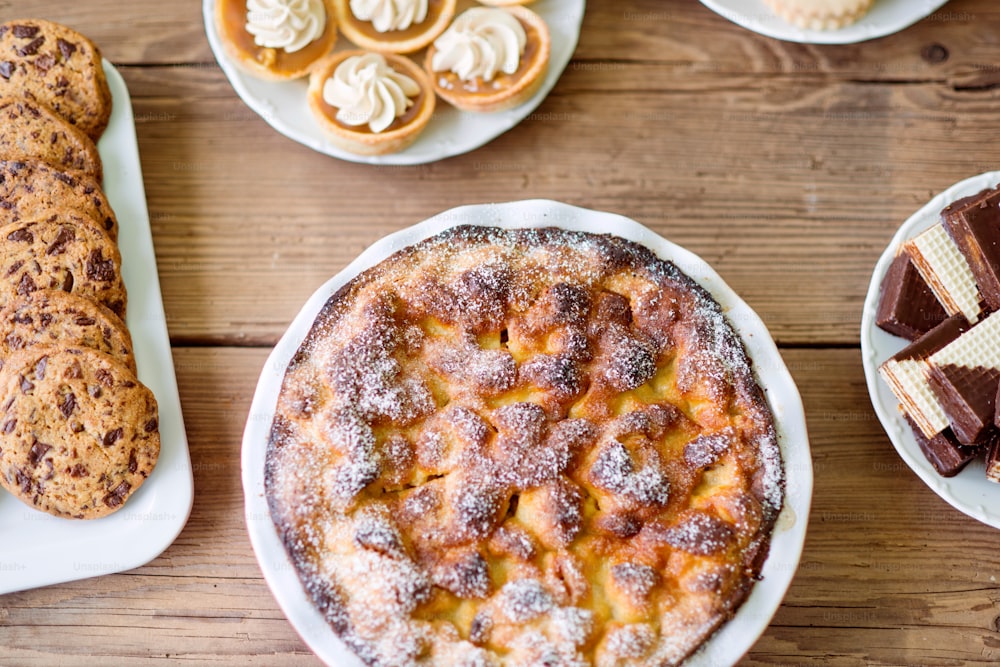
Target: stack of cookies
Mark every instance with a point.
(79, 432)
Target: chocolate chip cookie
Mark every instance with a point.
(63, 255)
(78, 432)
(55, 317)
(31, 130)
(59, 67)
(31, 190)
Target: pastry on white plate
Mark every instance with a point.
(370, 103)
(490, 59)
(820, 14)
(394, 26)
(276, 39)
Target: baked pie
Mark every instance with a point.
(370, 103)
(490, 59)
(396, 26)
(276, 39)
(523, 447)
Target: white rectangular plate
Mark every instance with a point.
(38, 549)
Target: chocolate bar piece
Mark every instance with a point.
(993, 462)
(907, 307)
(964, 376)
(906, 375)
(973, 223)
(946, 271)
(943, 452)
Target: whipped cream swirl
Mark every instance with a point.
(285, 24)
(386, 15)
(366, 90)
(480, 43)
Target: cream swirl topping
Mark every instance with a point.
(366, 90)
(386, 15)
(285, 24)
(480, 43)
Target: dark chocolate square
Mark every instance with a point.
(907, 307)
(943, 452)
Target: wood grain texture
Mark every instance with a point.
(788, 167)
(799, 186)
(890, 574)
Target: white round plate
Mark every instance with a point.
(736, 636)
(884, 18)
(969, 491)
(450, 132)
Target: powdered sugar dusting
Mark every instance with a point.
(631, 641)
(615, 471)
(635, 580)
(492, 417)
(524, 599)
(367, 376)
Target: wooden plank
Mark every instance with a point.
(890, 573)
(786, 166)
(951, 42)
(790, 191)
(881, 580)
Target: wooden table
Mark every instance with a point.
(788, 167)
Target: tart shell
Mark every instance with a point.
(364, 142)
(523, 87)
(388, 42)
(255, 59)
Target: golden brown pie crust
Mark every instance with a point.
(505, 91)
(439, 15)
(268, 63)
(523, 447)
(359, 139)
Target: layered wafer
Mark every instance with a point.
(964, 375)
(973, 223)
(993, 462)
(905, 373)
(946, 271)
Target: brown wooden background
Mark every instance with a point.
(788, 167)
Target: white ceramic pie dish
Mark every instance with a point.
(38, 549)
(969, 491)
(734, 638)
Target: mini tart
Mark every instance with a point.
(820, 14)
(359, 139)
(269, 63)
(363, 33)
(506, 91)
